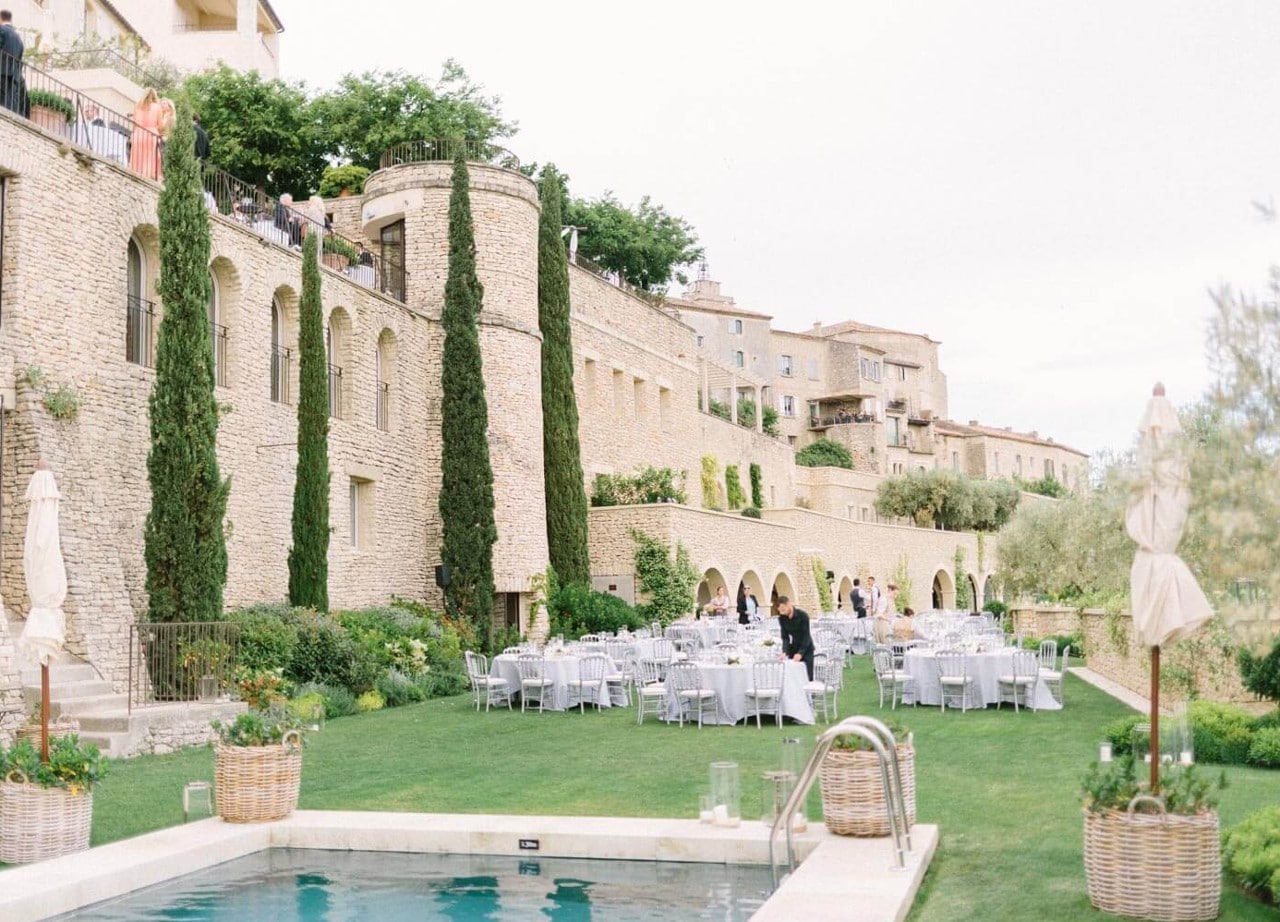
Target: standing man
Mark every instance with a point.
(873, 595)
(884, 612)
(859, 599)
(797, 644)
(13, 87)
(202, 139)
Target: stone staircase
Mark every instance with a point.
(77, 691)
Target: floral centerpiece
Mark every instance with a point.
(1153, 857)
(46, 808)
(257, 769)
(853, 801)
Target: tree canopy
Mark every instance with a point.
(646, 245)
(944, 499)
(824, 453)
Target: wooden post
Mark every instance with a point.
(44, 712)
(1155, 720)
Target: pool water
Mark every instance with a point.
(292, 885)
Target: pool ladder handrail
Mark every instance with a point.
(882, 742)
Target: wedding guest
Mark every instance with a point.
(882, 625)
(797, 644)
(202, 138)
(144, 151)
(13, 86)
(904, 625)
(719, 605)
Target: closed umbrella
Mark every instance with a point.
(1166, 600)
(46, 629)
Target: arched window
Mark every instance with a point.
(218, 332)
(385, 369)
(139, 312)
(337, 336)
(279, 355)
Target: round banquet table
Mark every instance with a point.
(559, 669)
(985, 669)
(731, 684)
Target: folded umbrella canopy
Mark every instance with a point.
(46, 629)
(1166, 601)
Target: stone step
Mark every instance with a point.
(60, 673)
(104, 722)
(111, 745)
(75, 707)
(67, 691)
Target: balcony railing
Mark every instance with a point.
(383, 408)
(826, 422)
(447, 149)
(139, 331)
(90, 59)
(182, 661)
(280, 359)
(615, 279)
(335, 391)
(63, 111)
(219, 354)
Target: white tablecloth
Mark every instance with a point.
(984, 668)
(559, 669)
(362, 275)
(709, 632)
(731, 684)
(268, 229)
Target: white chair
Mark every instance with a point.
(824, 689)
(684, 685)
(651, 692)
(1053, 677)
(765, 694)
(895, 681)
(955, 683)
(1049, 655)
(492, 689)
(618, 679)
(1019, 686)
(589, 685)
(859, 638)
(534, 685)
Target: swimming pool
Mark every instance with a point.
(293, 885)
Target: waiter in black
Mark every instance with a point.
(13, 88)
(796, 641)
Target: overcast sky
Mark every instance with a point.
(1048, 188)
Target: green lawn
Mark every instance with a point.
(1001, 786)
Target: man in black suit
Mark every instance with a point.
(859, 599)
(13, 86)
(796, 641)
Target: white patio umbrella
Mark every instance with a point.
(1165, 598)
(46, 629)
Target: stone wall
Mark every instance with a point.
(842, 493)
(1199, 663)
(1044, 620)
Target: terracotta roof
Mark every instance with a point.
(951, 427)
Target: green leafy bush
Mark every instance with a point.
(1265, 748)
(646, 485)
(996, 607)
(1222, 733)
(338, 701)
(72, 766)
(1261, 674)
(1120, 733)
(1251, 852)
(267, 637)
(398, 689)
(51, 100)
(336, 179)
(825, 453)
(733, 487)
(370, 701)
(303, 707)
(257, 728)
(751, 512)
(757, 486)
(327, 654)
(1269, 719)
(667, 576)
(1112, 785)
(576, 610)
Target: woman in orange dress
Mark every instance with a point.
(144, 148)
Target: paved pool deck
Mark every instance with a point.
(839, 878)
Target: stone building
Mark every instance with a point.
(79, 317)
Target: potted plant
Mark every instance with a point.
(342, 181)
(257, 767)
(1153, 857)
(205, 661)
(853, 801)
(62, 726)
(51, 111)
(46, 808)
(339, 253)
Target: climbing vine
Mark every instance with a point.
(902, 579)
(824, 587)
(711, 483)
(668, 578)
(733, 487)
(963, 601)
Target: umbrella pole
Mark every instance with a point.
(44, 712)
(1155, 720)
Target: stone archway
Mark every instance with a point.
(988, 590)
(712, 579)
(782, 585)
(944, 591)
(844, 594)
(755, 586)
(973, 593)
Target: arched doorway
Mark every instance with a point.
(782, 585)
(944, 591)
(973, 593)
(755, 586)
(988, 591)
(712, 580)
(843, 595)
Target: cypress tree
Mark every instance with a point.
(466, 490)
(184, 544)
(309, 556)
(566, 494)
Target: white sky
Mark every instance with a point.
(1048, 188)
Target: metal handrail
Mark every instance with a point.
(883, 744)
(436, 150)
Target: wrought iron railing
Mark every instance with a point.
(445, 149)
(182, 661)
(616, 279)
(139, 330)
(383, 409)
(219, 354)
(91, 58)
(335, 391)
(63, 111)
(280, 360)
(826, 422)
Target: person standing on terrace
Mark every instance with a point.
(13, 86)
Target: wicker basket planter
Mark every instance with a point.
(254, 784)
(37, 822)
(853, 791)
(1157, 866)
(63, 727)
